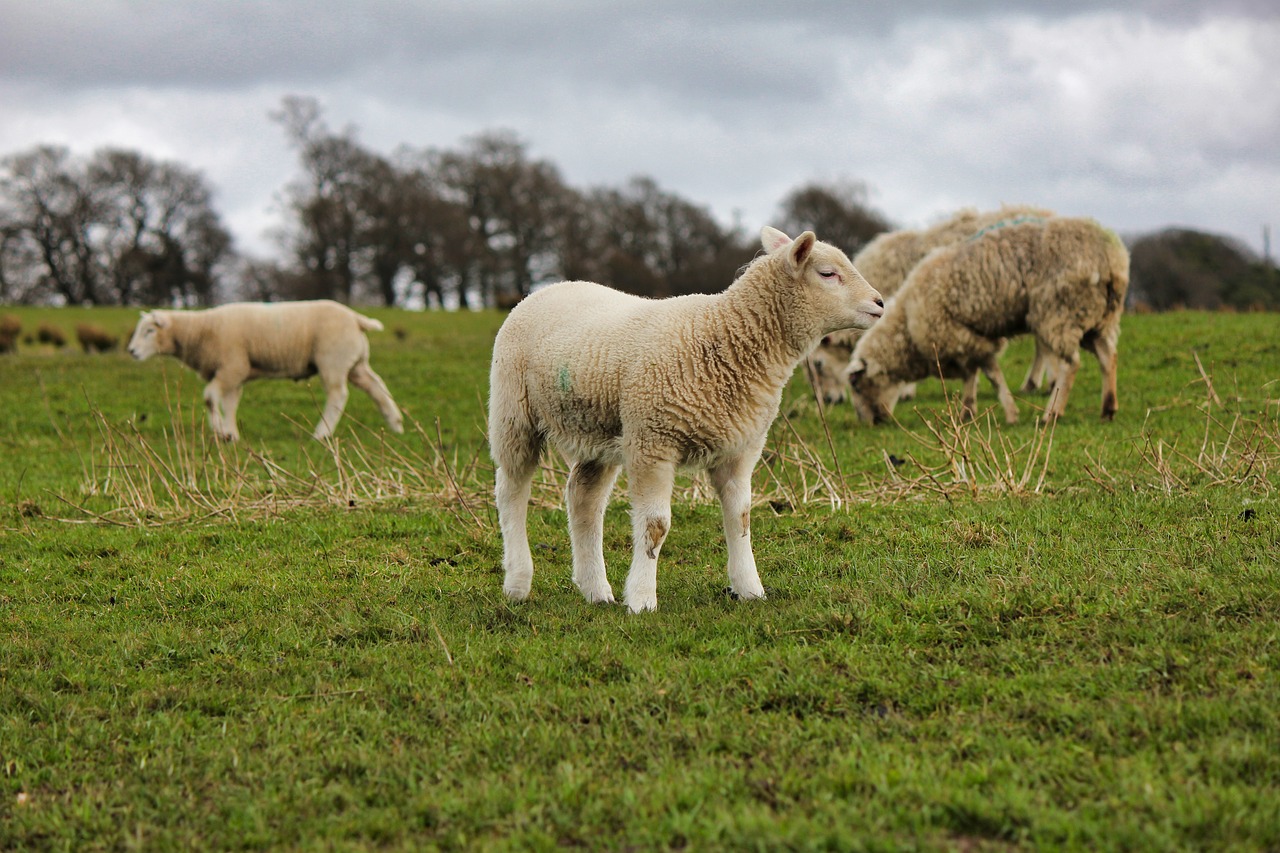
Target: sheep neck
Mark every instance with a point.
(767, 326)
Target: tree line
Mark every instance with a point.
(480, 225)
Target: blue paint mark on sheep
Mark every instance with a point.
(1005, 223)
(562, 379)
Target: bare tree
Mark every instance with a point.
(48, 230)
(838, 213)
(162, 239)
(514, 207)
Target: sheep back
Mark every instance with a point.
(282, 340)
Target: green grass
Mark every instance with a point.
(307, 646)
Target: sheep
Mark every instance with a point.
(95, 338)
(231, 344)
(47, 333)
(10, 328)
(1061, 279)
(613, 380)
(885, 262)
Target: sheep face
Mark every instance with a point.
(826, 366)
(873, 394)
(151, 336)
(837, 294)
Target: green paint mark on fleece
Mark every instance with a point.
(1005, 223)
(562, 378)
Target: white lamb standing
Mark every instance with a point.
(1062, 279)
(885, 263)
(231, 344)
(614, 380)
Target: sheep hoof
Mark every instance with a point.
(516, 593)
(602, 596)
(745, 596)
(643, 604)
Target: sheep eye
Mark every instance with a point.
(827, 273)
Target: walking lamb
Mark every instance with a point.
(614, 380)
(232, 344)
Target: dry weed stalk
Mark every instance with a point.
(188, 475)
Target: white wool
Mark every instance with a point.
(1061, 279)
(885, 263)
(613, 380)
(232, 344)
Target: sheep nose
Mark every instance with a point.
(879, 301)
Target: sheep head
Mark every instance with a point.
(873, 394)
(840, 298)
(153, 335)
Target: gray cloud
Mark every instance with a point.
(1143, 114)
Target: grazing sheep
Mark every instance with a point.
(10, 328)
(95, 338)
(47, 333)
(1061, 279)
(232, 344)
(885, 263)
(614, 380)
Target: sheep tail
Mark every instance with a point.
(368, 323)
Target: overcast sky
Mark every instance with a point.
(1143, 114)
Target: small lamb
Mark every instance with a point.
(231, 344)
(1062, 279)
(614, 380)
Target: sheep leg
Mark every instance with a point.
(231, 403)
(969, 397)
(335, 403)
(732, 481)
(1104, 347)
(587, 496)
(363, 377)
(513, 486)
(991, 369)
(650, 486)
(1036, 373)
(1062, 388)
(218, 399)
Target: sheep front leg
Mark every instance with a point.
(218, 400)
(587, 496)
(732, 481)
(1062, 388)
(991, 369)
(650, 486)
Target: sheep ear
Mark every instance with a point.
(160, 319)
(801, 249)
(773, 239)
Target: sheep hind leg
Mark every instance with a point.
(587, 497)
(363, 377)
(650, 487)
(732, 481)
(1104, 348)
(513, 485)
(335, 403)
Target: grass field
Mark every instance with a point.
(1015, 638)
